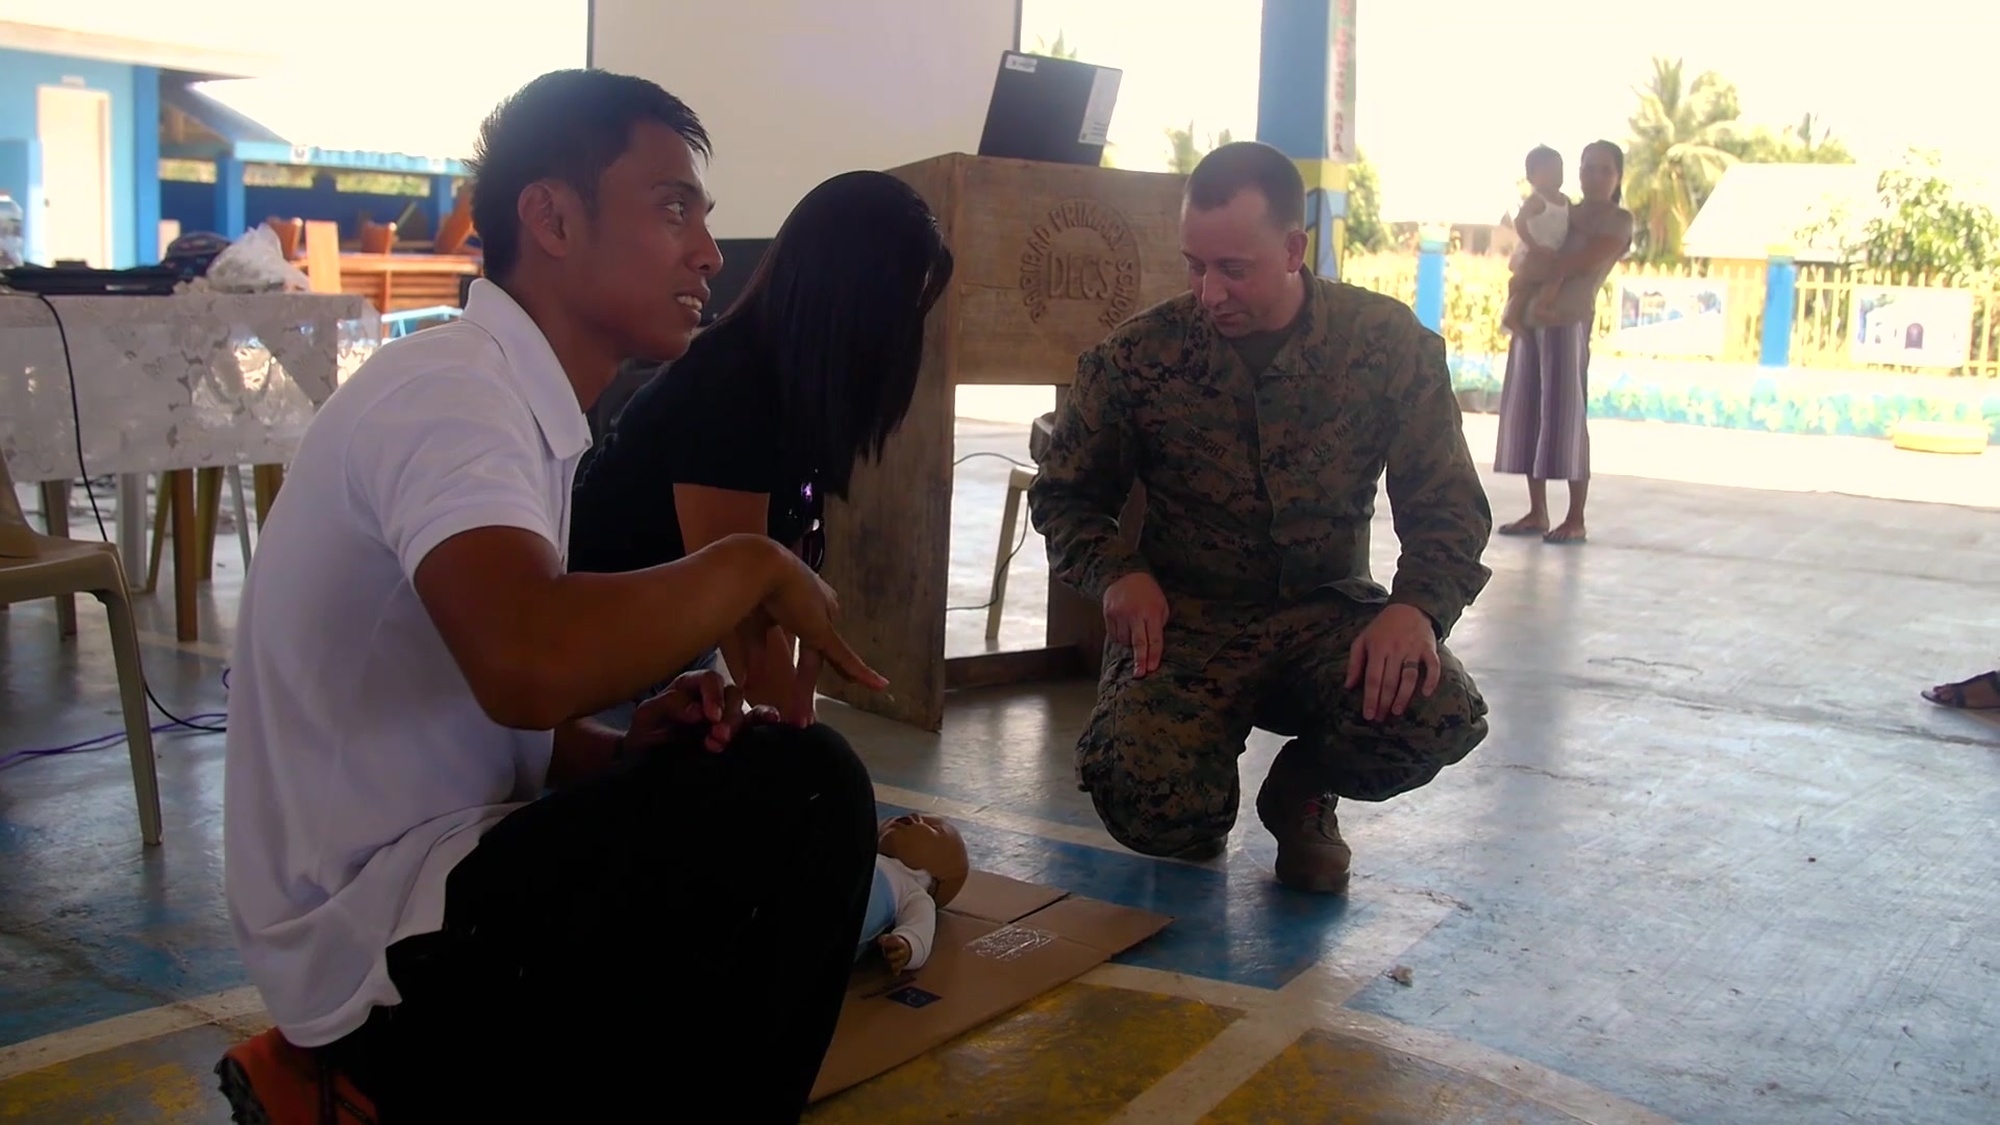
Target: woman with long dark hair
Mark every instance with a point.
(767, 415)
(1545, 400)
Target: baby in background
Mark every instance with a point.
(1543, 223)
(920, 866)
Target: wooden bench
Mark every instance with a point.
(391, 282)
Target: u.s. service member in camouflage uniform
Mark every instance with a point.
(1259, 411)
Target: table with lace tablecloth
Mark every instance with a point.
(170, 384)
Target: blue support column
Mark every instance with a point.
(444, 196)
(1305, 109)
(1781, 298)
(146, 164)
(229, 206)
(1430, 283)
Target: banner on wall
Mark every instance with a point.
(1671, 316)
(1341, 133)
(1910, 327)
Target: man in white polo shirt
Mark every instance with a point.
(674, 922)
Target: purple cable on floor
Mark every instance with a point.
(104, 741)
(101, 742)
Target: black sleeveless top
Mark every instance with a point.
(709, 419)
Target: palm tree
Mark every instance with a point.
(1812, 136)
(1184, 153)
(1814, 143)
(1056, 50)
(1681, 135)
(1808, 142)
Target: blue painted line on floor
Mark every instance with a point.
(92, 925)
(107, 971)
(45, 1006)
(86, 936)
(1234, 925)
(119, 956)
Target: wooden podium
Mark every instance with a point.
(1049, 259)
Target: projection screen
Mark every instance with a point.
(795, 91)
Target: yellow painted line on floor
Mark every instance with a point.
(1277, 1018)
(1200, 1084)
(1313, 1001)
(238, 1008)
(1392, 931)
(1074, 1054)
(1552, 1088)
(1397, 921)
(242, 1004)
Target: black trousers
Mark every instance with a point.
(670, 941)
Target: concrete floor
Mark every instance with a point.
(1717, 862)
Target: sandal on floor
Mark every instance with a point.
(1953, 695)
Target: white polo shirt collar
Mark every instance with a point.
(534, 367)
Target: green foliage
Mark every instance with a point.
(1365, 232)
(1808, 142)
(1060, 49)
(1475, 294)
(1676, 154)
(1684, 135)
(1922, 226)
(1185, 153)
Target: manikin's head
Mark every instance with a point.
(927, 843)
(1243, 235)
(1545, 170)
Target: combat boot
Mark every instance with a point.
(1300, 814)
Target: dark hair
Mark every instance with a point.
(568, 126)
(1618, 158)
(835, 310)
(1539, 154)
(1240, 165)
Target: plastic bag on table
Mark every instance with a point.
(255, 263)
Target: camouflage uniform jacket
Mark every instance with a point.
(1260, 486)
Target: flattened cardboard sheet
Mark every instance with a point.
(1000, 944)
(997, 898)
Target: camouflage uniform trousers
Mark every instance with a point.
(1159, 755)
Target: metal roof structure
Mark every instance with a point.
(291, 121)
(1756, 208)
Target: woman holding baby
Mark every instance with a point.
(1554, 303)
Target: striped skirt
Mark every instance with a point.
(1543, 404)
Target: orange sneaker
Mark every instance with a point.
(270, 1082)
